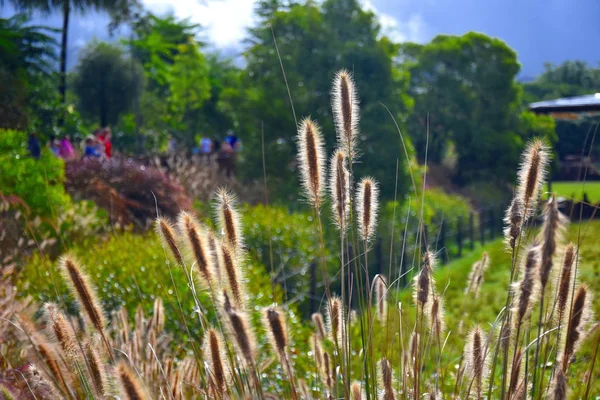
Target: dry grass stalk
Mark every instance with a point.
(345, 111)
(132, 388)
(356, 391)
(475, 279)
(424, 285)
(85, 293)
(565, 281)
(214, 348)
(476, 359)
(311, 161)
(167, 234)
(438, 323)
(196, 242)
(559, 386)
(61, 330)
(317, 351)
(229, 220)
(576, 328)
(527, 288)
(514, 218)
(367, 206)
(554, 225)
(97, 369)
(386, 380)
(317, 319)
(335, 319)
(240, 332)
(233, 276)
(339, 187)
(531, 175)
(381, 302)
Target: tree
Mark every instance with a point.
(120, 7)
(315, 42)
(106, 83)
(467, 96)
(571, 78)
(25, 69)
(177, 75)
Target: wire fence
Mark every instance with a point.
(449, 238)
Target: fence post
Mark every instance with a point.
(459, 235)
(482, 227)
(471, 231)
(313, 287)
(442, 242)
(492, 223)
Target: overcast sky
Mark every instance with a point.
(539, 30)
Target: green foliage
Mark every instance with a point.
(177, 73)
(315, 42)
(436, 206)
(466, 85)
(38, 182)
(106, 82)
(25, 67)
(571, 78)
(293, 246)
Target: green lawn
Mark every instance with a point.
(482, 311)
(576, 189)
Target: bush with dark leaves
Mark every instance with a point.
(132, 193)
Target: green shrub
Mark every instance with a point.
(293, 247)
(38, 182)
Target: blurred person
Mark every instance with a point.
(206, 146)
(33, 145)
(90, 149)
(66, 150)
(54, 145)
(103, 136)
(216, 145)
(232, 140)
(226, 160)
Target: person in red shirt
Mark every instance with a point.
(104, 136)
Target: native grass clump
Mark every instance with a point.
(364, 344)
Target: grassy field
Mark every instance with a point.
(463, 313)
(576, 189)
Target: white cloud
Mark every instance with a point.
(412, 29)
(225, 21)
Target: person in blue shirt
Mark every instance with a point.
(90, 150)
(33, 145)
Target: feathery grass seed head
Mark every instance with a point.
(274, 322)
(167, 235)
(381, 301)
(317, 319)
(311, 161)
(386, 379)
(367, 206)
(83, 290)
(213, 348)
(513, 221)
(229, 220)
(531, 177)
(335, 320)
(197, 246)
(131, 386)
(339, 187)
(345, 105)
(527, 288)
(552, 229)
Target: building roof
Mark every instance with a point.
(579, 104)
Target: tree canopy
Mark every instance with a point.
(467, 99)
(106, 83)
